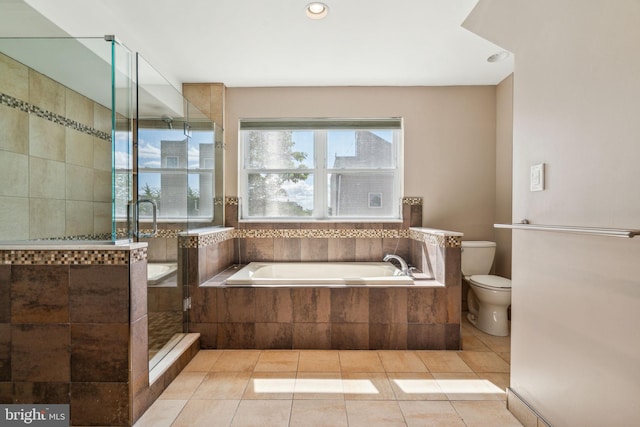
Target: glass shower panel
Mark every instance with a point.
(161, 183)
(57, 96)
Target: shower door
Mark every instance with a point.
(160, 208)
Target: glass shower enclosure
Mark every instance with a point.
(97, 147)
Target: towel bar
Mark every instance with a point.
(611, 232)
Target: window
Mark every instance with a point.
(320, 169)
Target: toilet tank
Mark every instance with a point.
(477, 257)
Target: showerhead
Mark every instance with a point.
(168, 120)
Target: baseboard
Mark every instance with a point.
(524, 412)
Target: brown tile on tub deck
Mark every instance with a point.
(427, 305)
(387, 336)
(99, 293)
(312, 336)
(314, 250)
(138, 273)
(369, 250)
(311, 305)
(105, 404)
(350, 305)
(257, 250)
(100, 352)
(286, 250)
(40, 353)
(236, 305)
(274, 335)
(350, 336)
(426, 337)
(6, 392)
(205, 307)
(236, 335)
(274, 305)
(40, 294)
(342, 250)
(388, 305)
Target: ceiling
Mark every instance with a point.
(248, 43)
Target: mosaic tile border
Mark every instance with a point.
(16, 103)
(71, 257)
(205, 240)
(137, 255)
(348, 233)
(436, 239)
(232, 201)
(412, 201)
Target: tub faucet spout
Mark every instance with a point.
(403, 264)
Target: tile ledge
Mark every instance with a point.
(436, 231)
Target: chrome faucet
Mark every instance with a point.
(403, 264)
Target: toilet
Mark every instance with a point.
(489, 296)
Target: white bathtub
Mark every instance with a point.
(266, 274)
(157, 272)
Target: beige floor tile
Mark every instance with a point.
(506, 357)
(223, 385)
(472, 343)
(367, 386)
(270, 385)
(415, 386)
(183, 386)
(319, 361)
(482, 361)
(401, 361)
(207, 413)
(236, 360)
(443, 361)
(378, 414)
(485, 414)
(319, 385)
(500, 380)
(275, 361)
(430, 414)
(468, 386)
(203, 361)
(262, 413)
(319, 413)
(360, 361)
(162, 413)
(496, 344)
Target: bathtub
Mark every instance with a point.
(159, 271)
(331, 274)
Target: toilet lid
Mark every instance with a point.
(490, 281)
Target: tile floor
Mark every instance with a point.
(272, 388)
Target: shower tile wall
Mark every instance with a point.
(56, 177)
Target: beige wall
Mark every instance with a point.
(576, 299)
(449, 141)
(504, 176)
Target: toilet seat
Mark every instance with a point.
(491, 282)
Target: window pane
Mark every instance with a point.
(359, 149)
(367, 194)
(200, 195)
(280, 194)
(278, 149)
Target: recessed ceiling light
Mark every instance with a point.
(497, 57)
(317, 10)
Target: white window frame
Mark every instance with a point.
(320, 171)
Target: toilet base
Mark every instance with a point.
(492, 320)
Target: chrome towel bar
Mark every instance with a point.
(610, 232)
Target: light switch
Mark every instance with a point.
(537, 177)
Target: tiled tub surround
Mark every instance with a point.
(55, 159)
(413, 317)
(73, 330)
